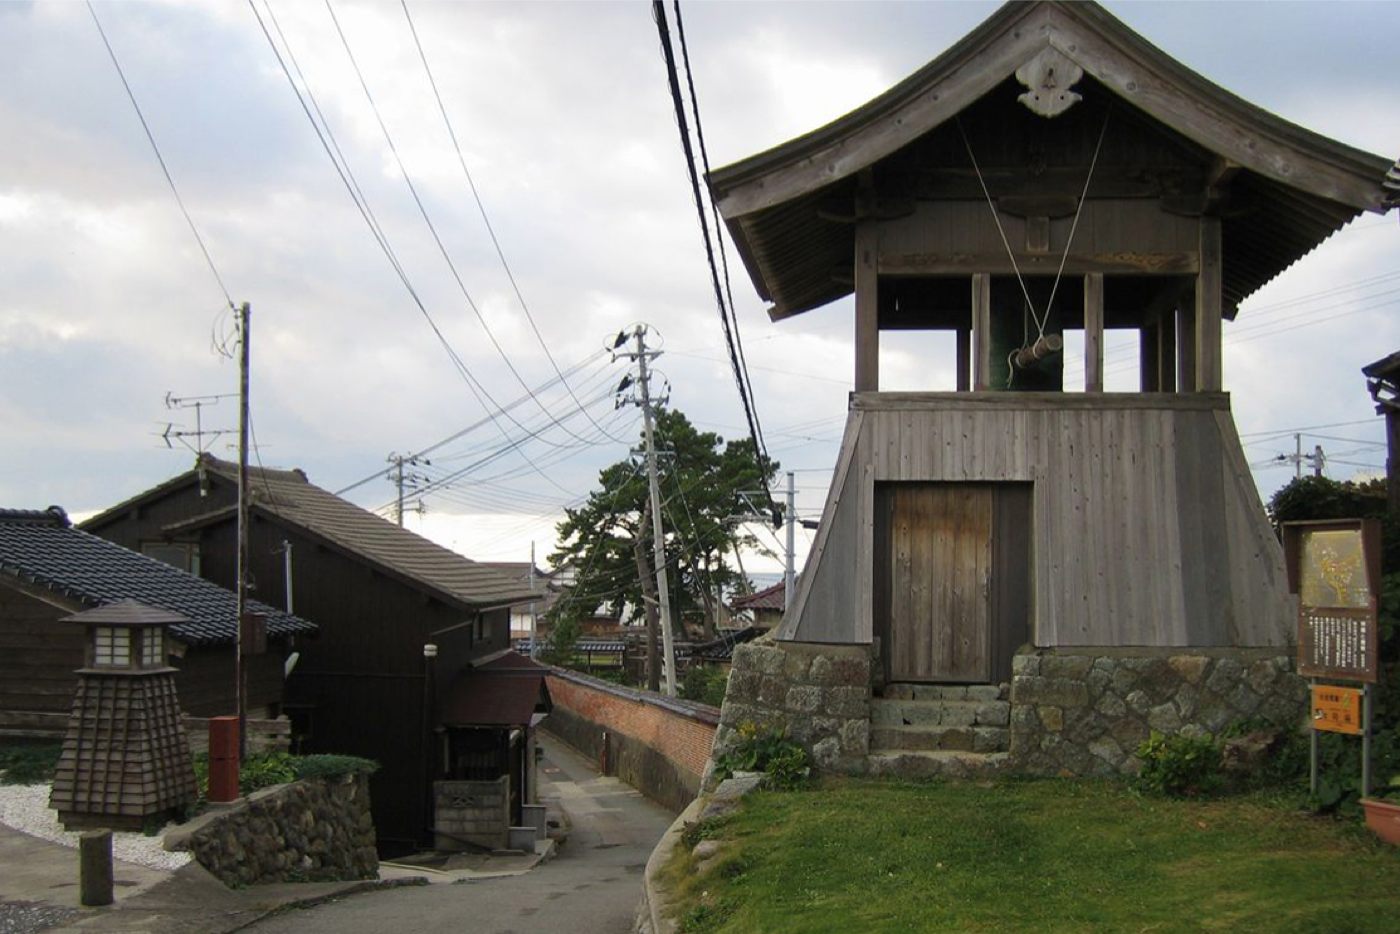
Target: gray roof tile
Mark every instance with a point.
(288, 495)
(40, 549)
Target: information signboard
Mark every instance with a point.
(1334, 567)
(1336, 709)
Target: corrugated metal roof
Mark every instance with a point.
(40, 549)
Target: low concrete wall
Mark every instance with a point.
(471, 812)
(659, 745)
(313, 830)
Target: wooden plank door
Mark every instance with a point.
(936, 580)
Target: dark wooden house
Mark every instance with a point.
(379, 593)
(50, 570)
(1051, 173)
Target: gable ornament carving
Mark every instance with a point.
(1049, 77)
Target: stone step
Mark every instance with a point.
(935, 738)
(946, 692)
(964, 713)
(942, 764)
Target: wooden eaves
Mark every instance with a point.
(777, 204)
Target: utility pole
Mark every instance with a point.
(1318, 458)
(287, 570)
(658, 533)
(401, 479)
(534, 609)
(245, 315)
(789, 574)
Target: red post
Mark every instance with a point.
(223, 759)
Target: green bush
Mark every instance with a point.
(25, 763)
(265, 769)
(766, 750)
(333, 766)
(708, 829)
(705, 684)
(1179, 766)
(201, 774)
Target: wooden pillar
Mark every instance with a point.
(1208, 308)
(964, 359)
(1186, 344)
(1166, 353)
(981, 331)
(867, 312)
(1149, 357)
(1392, 460)
(1093, 332)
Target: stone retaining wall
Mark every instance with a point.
(819, 693)
(313, 830)
(1085, 713)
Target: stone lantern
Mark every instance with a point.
(126, 758)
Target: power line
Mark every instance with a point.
(714, 211)
(460, 433)
(481, 207)
(150, 137)
(760, 450)
(477, 390)
(432, 228)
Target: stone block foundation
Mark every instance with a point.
(1077, 712)
(1085, 712)
(819, 693)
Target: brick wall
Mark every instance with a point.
(659, 745)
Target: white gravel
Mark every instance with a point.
(26, 808)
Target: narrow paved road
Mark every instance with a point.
(591, 887)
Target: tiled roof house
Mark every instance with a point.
(379, 593)
(50, 570)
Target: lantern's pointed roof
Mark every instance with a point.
(777, 203)
(127, 612)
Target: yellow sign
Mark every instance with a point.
(1336, 709)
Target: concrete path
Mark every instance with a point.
(592, 887)
(39, 883)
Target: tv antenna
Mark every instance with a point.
(197, 403)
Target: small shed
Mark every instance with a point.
(1029, 538)
(486, 731)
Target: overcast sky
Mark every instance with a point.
(564, 120)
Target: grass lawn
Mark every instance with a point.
(857, 856)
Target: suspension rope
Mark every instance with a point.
(1041, 320)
